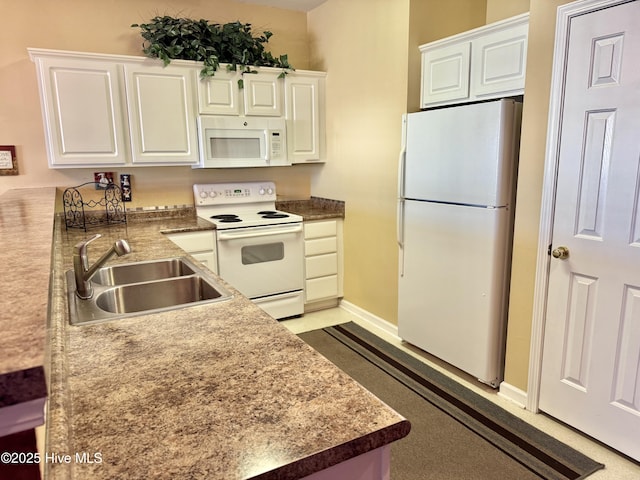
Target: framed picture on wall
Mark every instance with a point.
(8, 163)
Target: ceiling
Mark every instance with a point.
(302, 5)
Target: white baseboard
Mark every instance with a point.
(372, 322)
(369, 320)
(513, 394)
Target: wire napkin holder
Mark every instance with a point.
(92, 205)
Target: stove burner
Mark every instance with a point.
(226, 218)
(272, 214)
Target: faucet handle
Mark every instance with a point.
(80, 246)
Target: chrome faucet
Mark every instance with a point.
(83, 272)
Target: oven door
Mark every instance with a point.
(262, 261)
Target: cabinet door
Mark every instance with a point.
(302, 99)
(219, 95)
(200, 245)
(262, 93)
(499, 62)
(83, 112)
(445, 74)
(162, 115)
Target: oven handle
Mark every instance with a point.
(254, 234)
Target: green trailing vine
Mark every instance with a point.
(234, 43)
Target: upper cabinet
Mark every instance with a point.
(102, 110)
(304, 108)
(484, 63)
(299, 97)
(162, 113)
(112, 110)
(260, 95)
(84, 110)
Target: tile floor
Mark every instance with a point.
(617, 466)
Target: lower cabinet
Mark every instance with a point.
(323, 263)
(200, 245)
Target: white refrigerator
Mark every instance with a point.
(455, 224)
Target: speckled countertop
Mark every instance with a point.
(315, 208)
(217, 391)
(26, 226)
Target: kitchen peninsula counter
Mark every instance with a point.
(216, 391)
(26, 227)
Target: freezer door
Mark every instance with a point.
(453, 287)
(464, 154)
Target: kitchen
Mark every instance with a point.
(362, 165)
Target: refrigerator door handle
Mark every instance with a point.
(400, 235)
(400, 213)
(403, 157)
(400, 223)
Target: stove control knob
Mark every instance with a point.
(270, 191)
(203, 194)
(212, 194)
(261, 191)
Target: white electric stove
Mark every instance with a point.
(259, 249)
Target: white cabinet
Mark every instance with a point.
(83, 110)
(263, 94)
(299, 98)
(260, 95)
(304, 107)
(201, 245)
(112, 110)
(323, 263)
(484, 63)
(162, 113)
(109, 110)
(219, 94)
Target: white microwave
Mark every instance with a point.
(227, 142)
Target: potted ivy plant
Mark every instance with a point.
(234, 43)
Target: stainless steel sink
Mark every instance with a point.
(139, 288)
(139, 297)
(143, 271)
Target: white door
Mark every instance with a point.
(590, 375)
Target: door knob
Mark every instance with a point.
(560, 252)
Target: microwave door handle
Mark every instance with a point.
(267, 147)
(262, 233)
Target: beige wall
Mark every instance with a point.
(362, 44)
(542, 22)
(501, 9)
(105, 27)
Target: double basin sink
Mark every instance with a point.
(132, 289)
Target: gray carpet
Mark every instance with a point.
(455, 433)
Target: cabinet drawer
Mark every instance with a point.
(193, 241)
(323, 287)
(321, 265)
(320, 246)
(320, 229)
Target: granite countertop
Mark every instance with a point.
(26, 227)
(315, 208)
(217, 391)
